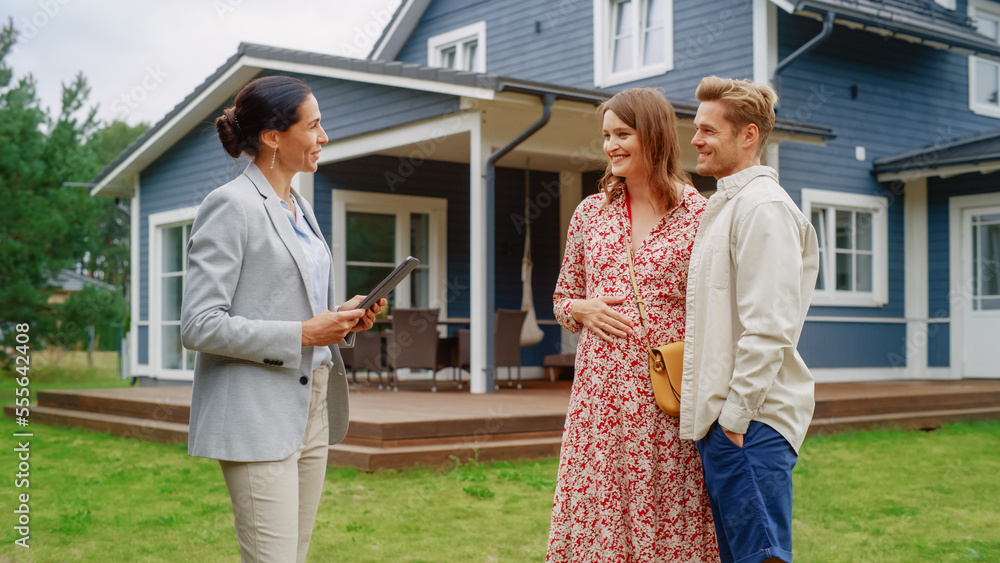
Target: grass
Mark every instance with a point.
(891, 496)
(99, 498)
(882, 496)
(49, 369)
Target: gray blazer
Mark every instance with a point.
(246, 294)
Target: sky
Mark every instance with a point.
(142, 58)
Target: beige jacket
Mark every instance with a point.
(753, 270)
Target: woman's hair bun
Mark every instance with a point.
(229, 132)
(266, 103)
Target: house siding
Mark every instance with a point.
(561, 52)
(451, 181)
(553, 41)
(938, 345)
(853, 345)
(355, 108)
(909, 97)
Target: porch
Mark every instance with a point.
(415, 427)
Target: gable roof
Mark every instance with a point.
(398, 30)
(68, 280)
(918, 21)
(250, 59)
(980, 153)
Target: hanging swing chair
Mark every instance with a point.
(531, 333)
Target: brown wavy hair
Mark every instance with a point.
(652, 116)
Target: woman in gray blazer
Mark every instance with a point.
(270, 390)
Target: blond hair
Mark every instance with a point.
(652, 116)
(745, 101)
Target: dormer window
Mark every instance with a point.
(984, 74)
(460, 49)
(633, 40)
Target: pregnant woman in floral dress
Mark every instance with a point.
(629, 490)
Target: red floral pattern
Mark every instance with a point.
(629, 489)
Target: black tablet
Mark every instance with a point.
(392, 280)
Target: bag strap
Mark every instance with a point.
(635, 286)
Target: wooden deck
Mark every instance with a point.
(414, 426)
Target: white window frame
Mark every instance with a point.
(878, 207)
(947, 4)
(458, 38)
(976, 107)
(603, 44)
(401, 206)
(158, 222)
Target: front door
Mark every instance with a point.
(981, 263)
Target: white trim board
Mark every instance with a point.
(916, 274)
(156, 222)
(136, 283)
(430, 130)
(840, 375)
(370, 78)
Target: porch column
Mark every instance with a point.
(478, 213)
(915, 284)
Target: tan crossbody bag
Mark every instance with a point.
(666, 363)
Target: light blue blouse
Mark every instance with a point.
(318, 256)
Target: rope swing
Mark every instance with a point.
(531, 333)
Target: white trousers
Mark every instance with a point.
(275, 502)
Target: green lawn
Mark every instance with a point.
(48, 369)
(874, 496)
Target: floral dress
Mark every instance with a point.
(629, 490)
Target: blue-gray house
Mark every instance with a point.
(471, 118)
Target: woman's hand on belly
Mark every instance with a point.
(597, 315)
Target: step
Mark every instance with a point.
(465, 428)
(371, 459)
(118, 425)
(921, 420)
(355, 440)
(914, 400)
(162, 404)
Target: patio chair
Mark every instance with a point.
(413, 343)
(366, 355)
(464, 355)
(506, 344)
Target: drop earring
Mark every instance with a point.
(273, 156)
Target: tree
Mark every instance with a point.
(107, 246)
(43, 224)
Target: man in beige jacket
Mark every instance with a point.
(747, 396)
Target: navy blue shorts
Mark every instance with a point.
(750, 489)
